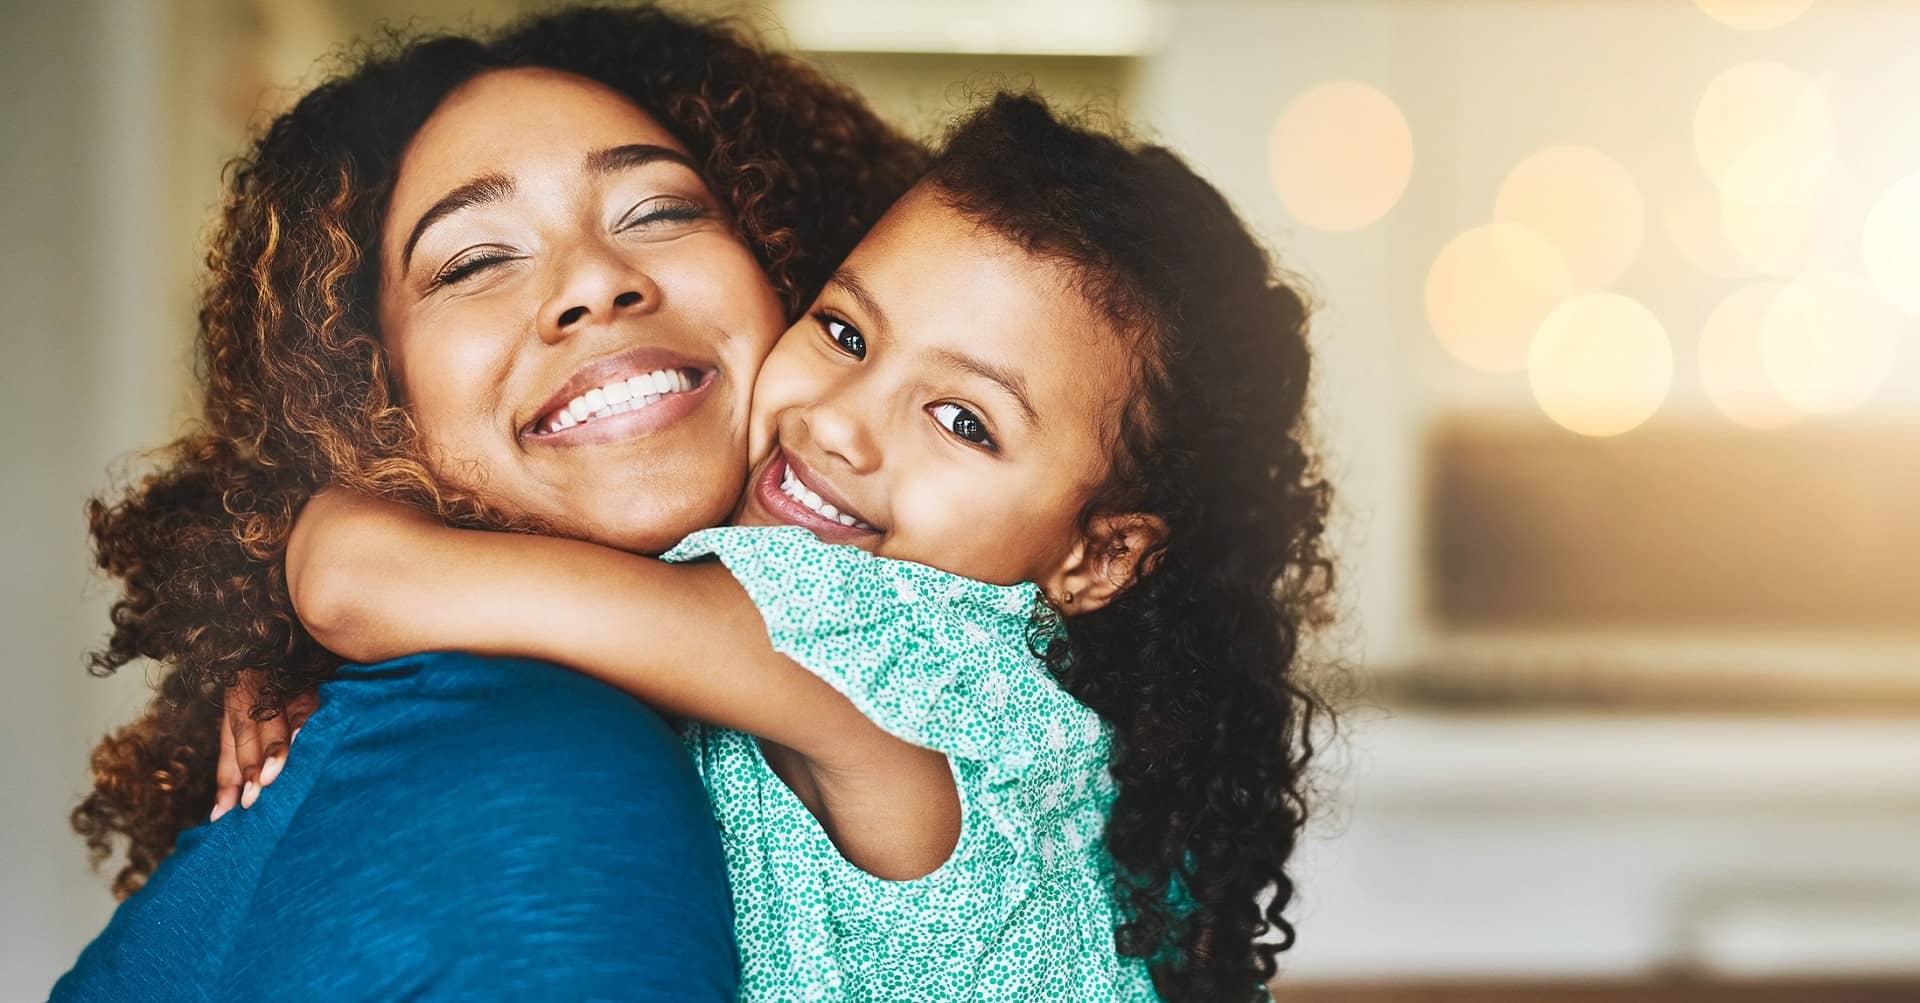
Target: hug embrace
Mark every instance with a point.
(951, 515)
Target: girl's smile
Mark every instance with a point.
(789, 493)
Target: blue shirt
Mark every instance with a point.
(447, 827)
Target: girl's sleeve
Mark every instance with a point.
(933, 658)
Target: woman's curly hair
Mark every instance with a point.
(297, 389)
(1196, 666)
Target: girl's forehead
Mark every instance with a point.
(938, 286)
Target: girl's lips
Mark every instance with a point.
(633, 424)
(774, 502)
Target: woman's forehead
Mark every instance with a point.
(508, 123)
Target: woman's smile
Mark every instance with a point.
(618, 397)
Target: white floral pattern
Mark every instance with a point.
(1024, 909)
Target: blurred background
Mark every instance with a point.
(1619, 386)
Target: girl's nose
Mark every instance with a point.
(593, 286)
(840, 427)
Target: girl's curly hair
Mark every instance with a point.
(1196, 665)
(298, 392)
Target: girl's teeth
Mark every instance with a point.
(790, 486)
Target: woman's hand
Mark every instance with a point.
(253, 752)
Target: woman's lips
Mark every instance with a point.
(767, 492)
(649, 417)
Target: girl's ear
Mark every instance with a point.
(1104, 562)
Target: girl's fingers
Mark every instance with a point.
(246, 738)
(300, 708)
(252, 753)
(272, 736)
(227, 777)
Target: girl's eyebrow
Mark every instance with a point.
(850, 284)
(1009, 380)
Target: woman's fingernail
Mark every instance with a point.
(250, 794)
(272, 768)
(218, 810)
(295, 737)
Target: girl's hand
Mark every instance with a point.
(349, 561)
(253, 752)
(346, 554)
(336, 558)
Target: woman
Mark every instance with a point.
(684, 191)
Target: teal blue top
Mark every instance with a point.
(1025, 907)
(449, 827)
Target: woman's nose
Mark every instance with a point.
(594, 286)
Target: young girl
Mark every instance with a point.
(1009, 709)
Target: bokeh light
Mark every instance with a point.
(1583, 201)
(1828, 341)
(1764, 134)
(1772, 239)
(1601, 364)
(1488, 291)
(1891, 249)
(1340, 156)
(1692, 212)
(1754, 15)
(1731, 366)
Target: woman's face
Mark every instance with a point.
(574, 321)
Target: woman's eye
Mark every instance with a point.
(460, 268)
(844, 335)
(660, 211)
(964, 424)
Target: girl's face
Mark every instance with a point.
(948, 399)
(574, 321)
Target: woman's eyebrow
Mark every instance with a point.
(480, 191)
(495, 187)
(623, 158)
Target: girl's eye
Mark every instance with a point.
(965, 425)
(659, 210)
(850, 340)
(461, 268)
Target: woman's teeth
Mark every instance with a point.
(619, 397)
(799, 492)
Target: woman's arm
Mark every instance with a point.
(374, 580)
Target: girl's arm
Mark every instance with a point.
(374, 580)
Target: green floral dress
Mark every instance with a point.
(1024, 909)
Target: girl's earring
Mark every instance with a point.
(1068, 601)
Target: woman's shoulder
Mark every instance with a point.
(508, 717)
(447, 825)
